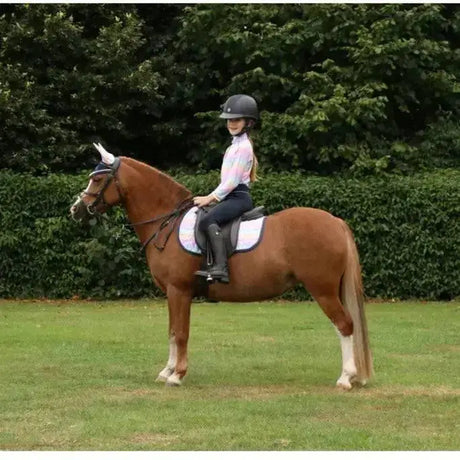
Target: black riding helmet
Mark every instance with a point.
(240, 106)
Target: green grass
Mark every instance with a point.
(80, 376)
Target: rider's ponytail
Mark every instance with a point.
(255, 163)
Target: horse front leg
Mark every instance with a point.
(179, 302)
(171, 364)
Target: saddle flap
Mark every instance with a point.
(248, 234)
(229, 231)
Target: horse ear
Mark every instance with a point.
(106, 157)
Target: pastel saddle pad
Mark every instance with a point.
(248, 236)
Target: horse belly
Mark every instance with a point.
(259, 289)
(256, 291)
(259, 274)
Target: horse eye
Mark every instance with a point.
(97, 179)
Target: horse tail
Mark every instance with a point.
(352, 297)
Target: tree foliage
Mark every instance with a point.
(354, 86)
(72, 74)
(367, 88)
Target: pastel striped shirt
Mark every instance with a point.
(236, 166)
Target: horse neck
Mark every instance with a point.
(149, 193)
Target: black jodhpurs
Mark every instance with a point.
(233, 205)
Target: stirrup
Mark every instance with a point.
(222, 277)
(205, 274)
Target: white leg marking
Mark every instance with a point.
(348, 363)
(164, 375)
(174, 380)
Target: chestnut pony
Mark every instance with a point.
(299, 245)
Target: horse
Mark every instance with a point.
(299, 245)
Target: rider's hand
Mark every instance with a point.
(201, 201)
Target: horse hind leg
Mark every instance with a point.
(336, 312)
(349, 372)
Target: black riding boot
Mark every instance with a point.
(219, 271)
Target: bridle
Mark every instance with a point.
(167, 219)
(111, 172)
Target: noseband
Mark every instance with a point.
(111, 172)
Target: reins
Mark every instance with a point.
(168, 219)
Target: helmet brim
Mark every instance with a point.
(229, 116)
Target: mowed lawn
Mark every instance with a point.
(81, 376)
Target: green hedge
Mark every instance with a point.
(407, 230)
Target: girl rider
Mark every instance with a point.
(238, 171)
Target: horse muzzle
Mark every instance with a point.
(82, 212)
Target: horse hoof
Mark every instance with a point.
(173, 381)
(344, 384)
(164, 375)
(358, 382)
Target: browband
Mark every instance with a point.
(103, 168)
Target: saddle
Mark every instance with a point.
(229, 230)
